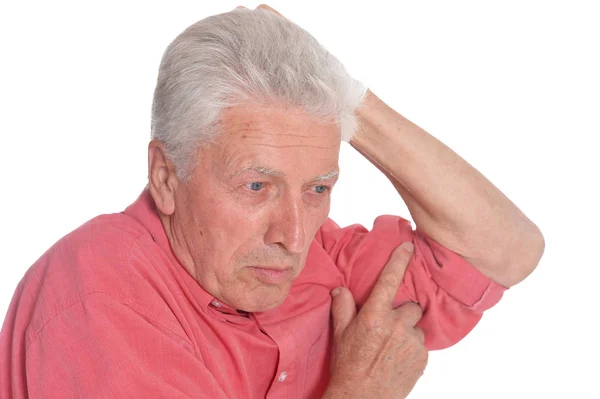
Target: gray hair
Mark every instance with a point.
(243, 57)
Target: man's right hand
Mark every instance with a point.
(377, 353)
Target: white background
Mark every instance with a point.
(513, 87)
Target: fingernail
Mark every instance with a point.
(408, 247)
(335, 291)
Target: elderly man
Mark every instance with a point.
(219, 280)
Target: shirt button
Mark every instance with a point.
(215, 304)
(282, 377)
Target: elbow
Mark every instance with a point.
(522, 258)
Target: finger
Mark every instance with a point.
(409, 314)
(266, 7)
(421, 334)
(343, 310)
(390, 278)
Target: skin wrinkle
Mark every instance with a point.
(292, 146)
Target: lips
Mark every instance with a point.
(271, 275)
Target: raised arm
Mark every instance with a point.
(449, 200)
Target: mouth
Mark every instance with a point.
(271, 275)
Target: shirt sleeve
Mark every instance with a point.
(102, 348)
(452, 293)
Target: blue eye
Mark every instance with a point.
(320, 189)
(256, 186)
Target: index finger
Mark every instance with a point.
(390, 278)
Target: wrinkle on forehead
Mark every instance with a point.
(254, 118)
(264, 135)
(320, 147)
(245, 130)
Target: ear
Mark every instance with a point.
(162, 178)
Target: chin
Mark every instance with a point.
(262, 301)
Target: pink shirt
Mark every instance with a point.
(108, 312)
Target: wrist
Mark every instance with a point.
(384, 136)
(374, 121)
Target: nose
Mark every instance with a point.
(287, 225)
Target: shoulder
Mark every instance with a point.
(94, 258)
(387, 229)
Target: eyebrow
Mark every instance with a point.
(277, 173)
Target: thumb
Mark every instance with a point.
(343, 310)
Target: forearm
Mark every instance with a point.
(449, 200)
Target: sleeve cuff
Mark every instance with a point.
(459, 279)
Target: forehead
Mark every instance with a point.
(284, 122)
(274, 138)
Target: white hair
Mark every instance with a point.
(244, 57)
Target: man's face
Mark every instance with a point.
(244, 221)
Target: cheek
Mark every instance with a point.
(210, 223)
(232, 230)
(316, 217)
